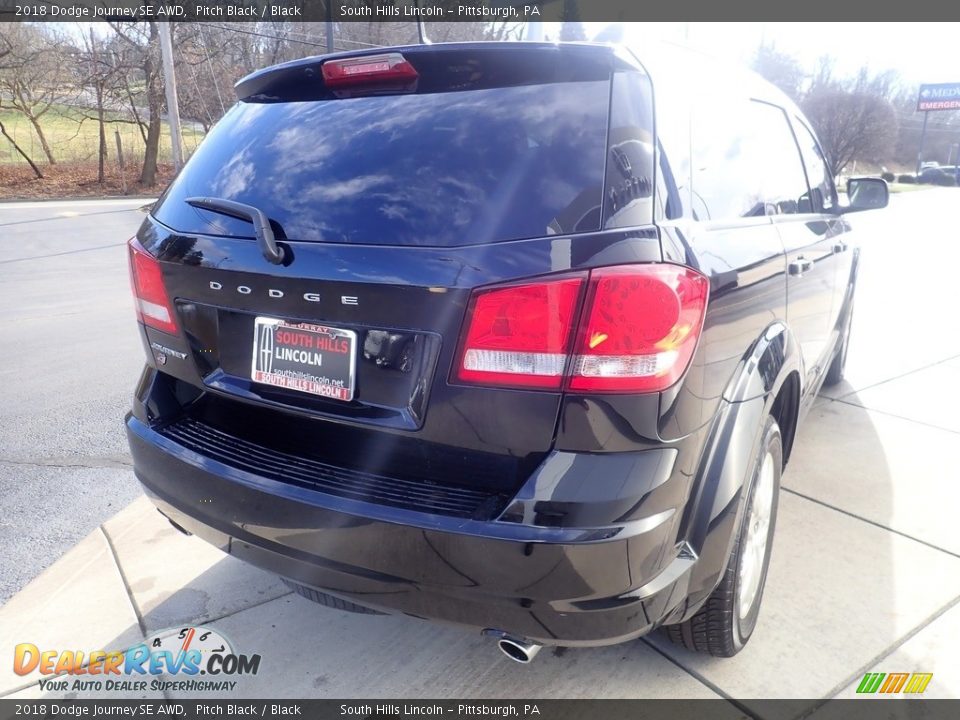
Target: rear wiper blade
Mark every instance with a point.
(261, 223)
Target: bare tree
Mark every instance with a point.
(143, 41)
(98, 69)
(854, 117)
(570, 26)
(781, 69)
(852, 125)
(34, 78)
(20, 150)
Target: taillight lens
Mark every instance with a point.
(520, 335)
(637, 331)
(640, 328)
(369, 69)
(150, 295)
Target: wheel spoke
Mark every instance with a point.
(754, 543)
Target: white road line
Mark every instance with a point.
(28, 205)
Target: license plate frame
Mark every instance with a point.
(287, 354)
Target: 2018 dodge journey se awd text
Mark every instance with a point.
(511, 335)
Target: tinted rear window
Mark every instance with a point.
(437, 169)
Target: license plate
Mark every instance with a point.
(313, 359)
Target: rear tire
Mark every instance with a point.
(329, 601)
(839, 363)
(726, 621)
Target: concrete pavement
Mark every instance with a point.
(865, 573)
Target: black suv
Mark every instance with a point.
(511, 335)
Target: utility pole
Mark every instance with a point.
(329, 25)
(170, 84)
(923, 137)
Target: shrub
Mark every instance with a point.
(907, 179)
(947, 180)
(889, 177)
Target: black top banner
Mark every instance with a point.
(340, 11)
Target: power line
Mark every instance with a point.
(206, 52)
(193, 76)
(266, 35)
(287, 36)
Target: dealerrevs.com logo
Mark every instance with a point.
(171, 660)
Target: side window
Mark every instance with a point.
(784, 183)
(628, 187)
(822, 191)
(673, 149)
(725, 181)
(746, 163)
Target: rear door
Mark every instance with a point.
(734, 240)
(806, 231)
(824, 196)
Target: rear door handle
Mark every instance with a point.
(799, 266)
(839, 247)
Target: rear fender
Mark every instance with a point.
(713, 513)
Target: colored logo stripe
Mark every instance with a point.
(918, 682)
(870, 682)
(894, 682)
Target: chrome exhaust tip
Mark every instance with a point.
(518, 650)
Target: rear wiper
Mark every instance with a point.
(261, 223)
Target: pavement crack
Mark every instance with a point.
(126, 582)
(700, 678)
(216, 618)
(891, 379)
(894, 415)
(59, 254)
(881, 656)
(61, 216)
(870, 522)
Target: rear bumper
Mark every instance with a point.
(552, 585)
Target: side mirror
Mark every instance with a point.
(866, 194)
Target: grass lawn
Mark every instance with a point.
(908, 187)
(75, 139)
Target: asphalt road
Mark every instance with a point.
(69, 357)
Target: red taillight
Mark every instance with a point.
(640, 328)
(386, 68)
(520, 335)
(637, 332)
(150, 296)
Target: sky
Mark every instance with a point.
(919, 52)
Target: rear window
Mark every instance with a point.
(433, 169)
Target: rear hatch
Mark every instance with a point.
(392, 199)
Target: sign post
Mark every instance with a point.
(937, 96)
(923, 138)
